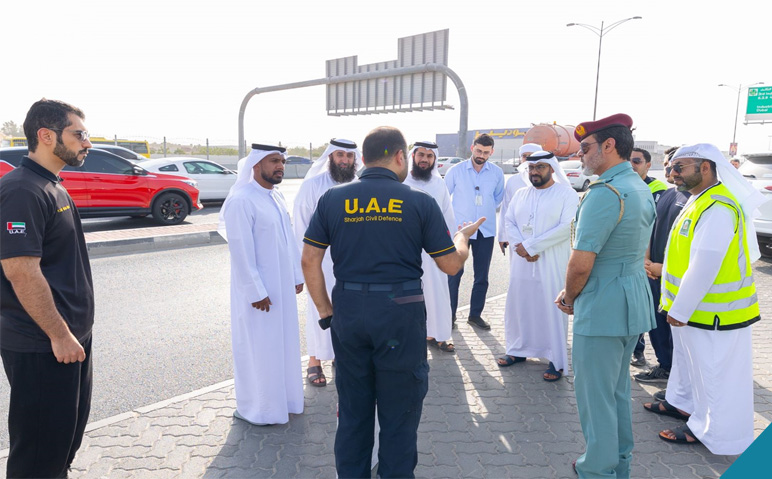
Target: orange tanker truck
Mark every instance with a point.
(557, 139)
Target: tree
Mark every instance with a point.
(10, 128)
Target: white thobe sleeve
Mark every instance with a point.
(242, 243)
(712, 237)
(446, 205)
(503, 211)
(510, 224)
(558, 233)
(303, 211)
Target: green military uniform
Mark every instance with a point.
(614, 220)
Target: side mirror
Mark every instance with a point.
(139, 171)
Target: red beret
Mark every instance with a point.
(587, 128)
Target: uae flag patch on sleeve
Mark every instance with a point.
(16, 227)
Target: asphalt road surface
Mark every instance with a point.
(162, 326)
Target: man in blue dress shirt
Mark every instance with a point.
(476, 188)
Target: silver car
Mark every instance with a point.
(757, 168)
(214, 180)
(444, 163)
(573, 170)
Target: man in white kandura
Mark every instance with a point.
(265, 277)
(337, 165)
(424, 176)
(538, 225)
(709, 294)
(514, 183)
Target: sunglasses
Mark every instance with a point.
(81, 135)
(586, 146)
(678, 168)
(636, 161)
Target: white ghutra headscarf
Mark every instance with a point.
(320, 165)
(549, 158)
(246, 176)
(429, 145)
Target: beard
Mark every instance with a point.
(274, 179)
(539, 180)
(342, 174)
(479, 160)
(69, 157)
(421, 174)
(689, 182)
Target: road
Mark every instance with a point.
(162, 326)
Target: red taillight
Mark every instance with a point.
(573, 175)
(768, 188)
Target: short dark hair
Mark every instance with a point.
(483, 140)
(381, 144)
(646, 154)
(48, 114)
(623, 138)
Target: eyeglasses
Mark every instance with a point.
(81, 135)
(637, 161)
(539, 167)
(586, 146)
(668, 169)
(679, 167)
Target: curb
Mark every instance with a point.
(154, 243)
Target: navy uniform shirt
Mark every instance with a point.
(669, 207)
(39, 219)
(377, 227)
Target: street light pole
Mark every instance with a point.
(737, 109)
(600, 32)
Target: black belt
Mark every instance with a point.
(406, 286)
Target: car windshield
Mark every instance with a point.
(757, 167)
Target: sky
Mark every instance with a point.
(145, 69)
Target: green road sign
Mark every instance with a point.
(759, 104)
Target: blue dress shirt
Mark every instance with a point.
(465, 185)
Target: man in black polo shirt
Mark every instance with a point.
(376, 229)
(46, 297)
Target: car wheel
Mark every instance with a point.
(586, 185)
(765, 246)
(170, 209)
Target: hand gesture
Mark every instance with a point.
(298, 288)
(468, 229)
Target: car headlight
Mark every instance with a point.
(192, 183)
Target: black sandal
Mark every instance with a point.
(680, 435)
(314, 374)
(669, 410)
(447, 347)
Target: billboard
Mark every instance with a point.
(759, 109)
(414, 92)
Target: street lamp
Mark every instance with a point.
(737, 111)
(600, 32)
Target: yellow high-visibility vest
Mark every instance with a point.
(657, 185)
(731, 302)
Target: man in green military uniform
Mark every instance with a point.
(608, 294)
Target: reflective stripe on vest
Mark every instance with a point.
(733, 293)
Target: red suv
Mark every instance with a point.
(108, 185)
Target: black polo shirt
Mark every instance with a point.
(377, 227)
(40, 219)
(669, 206)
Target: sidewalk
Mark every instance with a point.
(479, 420)
(140, 240)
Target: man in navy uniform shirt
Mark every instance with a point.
(376, 229)
(46, 297)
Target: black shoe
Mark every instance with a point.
(479, 322)
(638, 359)
(655, 375)
(660, 395)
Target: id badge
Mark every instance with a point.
(528, 229)
(478, 200)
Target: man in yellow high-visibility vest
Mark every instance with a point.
(710, 298)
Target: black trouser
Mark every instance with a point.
(482, 253)
(379, 338)
(661, 337)
(50, 403)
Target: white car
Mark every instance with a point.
(573, 170)
(445, 162)
(214, 180)
(757, 168)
